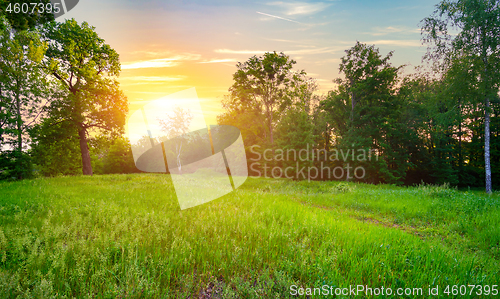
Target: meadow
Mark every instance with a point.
(124, 236)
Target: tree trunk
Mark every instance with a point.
(1, 122)
(460, 158)
(86, 165)
(271, 129)
(19, 137)
(272, 136)
(487, 165)
(353, 99)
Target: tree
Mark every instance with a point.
(119, 158)
(111, 154)
(477, 44)
(246, 116)
(295, 131)
(174, 125)
(22, 89)
(431, 117)
(85, 67)
(460, 95)
(55, 148)
(268, 84)
(365, 111)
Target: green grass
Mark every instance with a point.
(124, 236)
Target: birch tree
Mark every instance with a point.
(469, 31)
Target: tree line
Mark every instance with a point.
(62, 112)
(439, 126)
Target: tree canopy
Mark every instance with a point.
(86, 67)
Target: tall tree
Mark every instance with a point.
(269, 84)
(22, 88)
(176, 124)
(365, 111)
(477, 44)
(85, 66)
(460, 83)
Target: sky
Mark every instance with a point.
(167, 46)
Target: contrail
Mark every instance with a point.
(265, 14)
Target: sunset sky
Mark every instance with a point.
(169, 46)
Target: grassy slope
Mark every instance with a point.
(125, 236)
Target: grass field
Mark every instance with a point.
(124, 236)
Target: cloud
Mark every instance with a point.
(159, 54)
(162, 93)
(300, 8)
(388, 30)
(288, 52)
(327, 61)
(276, 17)
(164, 62)
(152, 79)
(160, 62)
(400, 43)
(246, 52)
(283, 40)
(219, 60)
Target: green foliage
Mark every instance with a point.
(15, 164)
(55, 148)
(56, 151)
(85, 65)
(23, 88)
(249, 119)
(268, 85)
(476, 46)
(295, 131)
(265, 90)
(366, 113)
(431, 119)
(342, 188)
(114, 155)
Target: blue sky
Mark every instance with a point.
(168, 46)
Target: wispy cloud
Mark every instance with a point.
(277, 17)
(388, 30)
(400, 43)
(219, 60)
(160, 62)
(327, 61)
(152, 79)
(161, 93)
(300, 8)
(154, 63)
(283, 40)
(162, 53)
(246, 52)
(289, 52)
